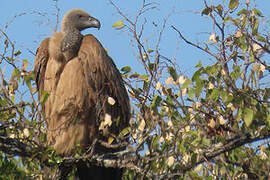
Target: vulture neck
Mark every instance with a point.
(71, 42)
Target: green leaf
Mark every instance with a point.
(118, 24)
(124, 131)
(44, 97)
(144, 77)
(233, 4)
(248, 116)
(156, 102)
(260, 38)
(151, 66)
(255, 27)
(227, 19)
(257, 12)
(220, 9)
(191, 93)
(150, 50)
(28, 82)
(199, 65)
(25, 64)
(268, 120)
(215, 94)
(172, 72)
(186, 83)
(135, 75)
(206, 11)
(17, 53)
(126, 69)
(16, 73)
(243, 11)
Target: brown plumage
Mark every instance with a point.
(79, 76)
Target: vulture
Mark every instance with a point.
(86, 96)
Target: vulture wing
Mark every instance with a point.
(42, 56)
(104, 82)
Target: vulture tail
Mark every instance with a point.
(97, 173)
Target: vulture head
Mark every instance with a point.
(77, 19)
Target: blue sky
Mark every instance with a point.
(29, 29)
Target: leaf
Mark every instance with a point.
(110, 140)
(118, 24)
(44, 97)
(186, 83)
(16, 73)
(199, 65)
(248, 116)
(151, 66)
(125, 131)
(141, 125)
(24, 64)
(220, 9)
(257, 12)
(233, 4)
(156, 102)
(206, 11)
(144, 77)
(150, 50)
(111, 101)
(126, 69)
(135, 75)
(17, 53)
(243, 11)
(215, 95)
(227, 19)
(260, 38)
(268, 120)
(28, 83)
(172, 72)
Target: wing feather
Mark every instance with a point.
(104, 81)
(42, 57)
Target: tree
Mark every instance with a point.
(215, 123)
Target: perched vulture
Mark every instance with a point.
(87, 97)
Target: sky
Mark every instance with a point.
(35, 19)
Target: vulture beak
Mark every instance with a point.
(94, 22)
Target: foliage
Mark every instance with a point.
(215, 123)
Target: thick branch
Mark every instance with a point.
(231, 145)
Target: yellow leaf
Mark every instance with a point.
(222, 121)
(26, 132)
(142, 125)
(181, 80)
(110, 140)
(211, 86)
(170, 124)
(184, 92)
(212, 123)
(25, 64)
(170, 161)
(187, 128)
(111, 101)
(118, 24)
(161, 139)
(262, 68)
(238, 34)
(256, 47)
(108, 120)
(213, 38)
(169, 80)
(158, 86)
